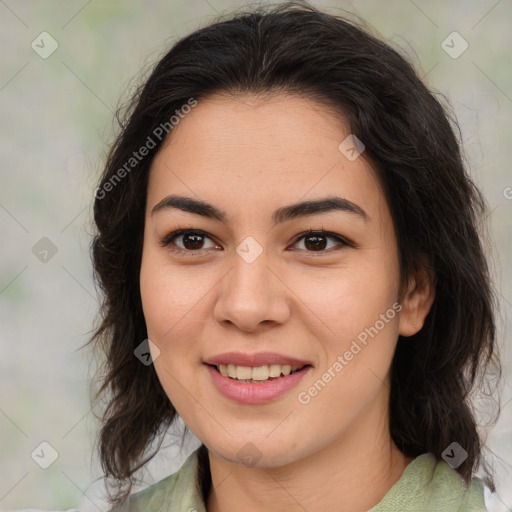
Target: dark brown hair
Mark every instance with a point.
(412, 146)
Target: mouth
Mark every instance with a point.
(256, 385)
(257, 374)
(257, 378)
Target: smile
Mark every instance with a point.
(266, 383)
(256, 374)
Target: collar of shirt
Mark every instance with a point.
(426, 485)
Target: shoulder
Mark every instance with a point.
(176, 492)
(429, 485)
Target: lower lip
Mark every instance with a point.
(258, 393)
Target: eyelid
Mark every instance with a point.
(326, 234)
(175, 234)
(167, 240)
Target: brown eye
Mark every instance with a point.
(191, 241)
(317, 241)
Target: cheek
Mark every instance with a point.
(165, 303)
(170, 297)
(158, 304)
(350, 300)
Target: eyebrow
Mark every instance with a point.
(283, 214)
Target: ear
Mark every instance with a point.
(417, 302)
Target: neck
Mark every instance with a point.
(353, 473)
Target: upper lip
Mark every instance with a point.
(259, 359)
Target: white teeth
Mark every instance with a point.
(256, 373)
(275, 370)
(260, 373)
(286, 369)
(243, 372)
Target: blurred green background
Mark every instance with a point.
(56, 126)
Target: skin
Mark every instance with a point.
(249, 156)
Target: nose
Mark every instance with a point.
(252, 294)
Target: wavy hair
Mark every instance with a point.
(413, 144)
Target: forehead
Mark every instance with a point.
(249, 153)
(283, 125)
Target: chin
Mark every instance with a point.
(257, 452)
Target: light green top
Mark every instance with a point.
(426, 485)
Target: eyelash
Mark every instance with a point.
(168, 240)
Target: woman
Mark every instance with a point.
(289, 250)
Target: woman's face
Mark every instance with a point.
(250, 288)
